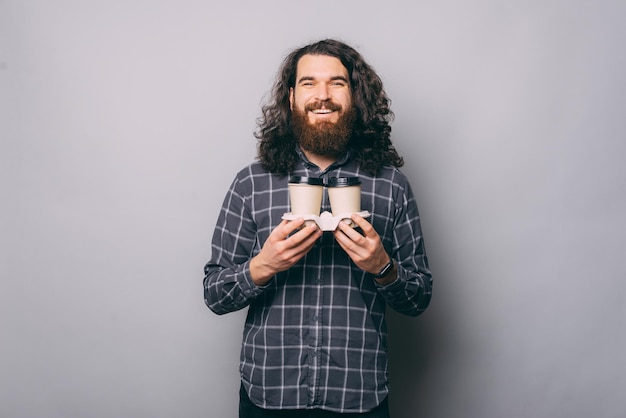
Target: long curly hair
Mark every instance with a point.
(370, 143)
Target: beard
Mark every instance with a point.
(323, 138)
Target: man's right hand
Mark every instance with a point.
(282, 250)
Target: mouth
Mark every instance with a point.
(322, 108)
(322, 111)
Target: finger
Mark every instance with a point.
(354, 251)
(349, 231)
(365, 226)
(286, 227)
(307, 235)
(343, 241)
(300, 243)
(350, 240)
(305, 246)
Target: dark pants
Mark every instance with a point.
(249, 410)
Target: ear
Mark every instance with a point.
(291, 98)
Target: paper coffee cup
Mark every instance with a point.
(344, 194)
(305, 195)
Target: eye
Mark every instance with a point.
(338, 82)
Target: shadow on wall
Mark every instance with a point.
(418, 353)
(412, 352)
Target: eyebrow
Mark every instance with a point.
(335, 78)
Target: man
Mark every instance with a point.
(315, 338)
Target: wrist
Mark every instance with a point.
(388, 274)
(385, 270)
(259, 272)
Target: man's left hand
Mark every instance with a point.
(365, 250)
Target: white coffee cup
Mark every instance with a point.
(344, 194)
(305, 195)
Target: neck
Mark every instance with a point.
(322, 161)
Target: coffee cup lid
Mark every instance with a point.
(343, 181)
(306, 180)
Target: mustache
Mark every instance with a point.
(326, 104)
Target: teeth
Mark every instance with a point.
(322, 111)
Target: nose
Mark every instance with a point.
(322, 92)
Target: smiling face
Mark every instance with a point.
(321, 103)
(322, 90)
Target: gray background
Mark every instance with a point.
(122, 124)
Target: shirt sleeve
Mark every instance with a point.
(410, 294)
(228, 285)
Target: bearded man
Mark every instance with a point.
(315, 337)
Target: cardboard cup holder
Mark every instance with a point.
(326, 221)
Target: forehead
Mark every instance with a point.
(320, 66)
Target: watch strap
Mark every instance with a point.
(384, 270)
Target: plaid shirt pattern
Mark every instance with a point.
(315, 336)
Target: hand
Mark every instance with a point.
(365, 250)
(282, 250)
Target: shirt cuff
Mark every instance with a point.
(248, 287)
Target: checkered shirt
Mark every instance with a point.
(315, 336)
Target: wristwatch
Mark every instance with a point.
(385, 270)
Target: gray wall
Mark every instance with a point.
(123, 122)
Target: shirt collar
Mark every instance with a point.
(341, 161)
